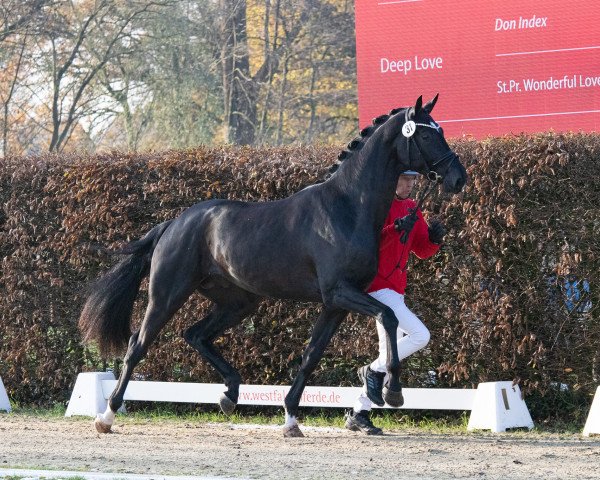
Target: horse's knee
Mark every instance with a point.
(133, 339)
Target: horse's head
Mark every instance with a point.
(423, 147)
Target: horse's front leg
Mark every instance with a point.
(323, 331)
(354, 300)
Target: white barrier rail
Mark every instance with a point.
(494, 406)
(4, 402)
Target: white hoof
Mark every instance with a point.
(104, 421)
(101, 427)
(291, 428)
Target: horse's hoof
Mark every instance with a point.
(292, 431)
(393, 398)
(101, 427)
(227, 405)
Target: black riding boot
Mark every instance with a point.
(373, 384)
(360, 422)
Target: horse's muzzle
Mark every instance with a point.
(455, 178)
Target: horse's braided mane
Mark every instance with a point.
(357, 143)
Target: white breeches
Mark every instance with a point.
(412, 335)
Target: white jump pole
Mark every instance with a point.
(494, 406)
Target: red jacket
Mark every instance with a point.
(392, 253)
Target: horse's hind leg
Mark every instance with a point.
(165, 298)
(202, 334)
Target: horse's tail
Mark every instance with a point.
(106, 315)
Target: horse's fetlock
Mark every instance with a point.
(394, 368)
(233, 381)
(114, 404)
(289, 409)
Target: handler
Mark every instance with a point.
(404, 231)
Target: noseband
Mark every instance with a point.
(408, 130)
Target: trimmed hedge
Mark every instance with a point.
(499, 299)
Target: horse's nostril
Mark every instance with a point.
(459, 184)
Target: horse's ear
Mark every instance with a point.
(429, 105)
(412, 111)
(419, 104)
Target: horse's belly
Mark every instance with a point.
(278, 280)
(273, 271)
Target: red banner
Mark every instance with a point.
(500, 66)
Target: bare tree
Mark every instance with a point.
(174, 73)
(18, 15)
(10, 78)
(177, 64)
(134, 119)
(20, 20)
(241, 89)
(321, 78)
(81, 43)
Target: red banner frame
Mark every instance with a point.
(500, 67)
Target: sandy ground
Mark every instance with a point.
(170, 447)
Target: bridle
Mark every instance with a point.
(408, 130)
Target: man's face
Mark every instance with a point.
(405, 185)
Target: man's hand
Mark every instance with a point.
(436, 232)
(404, 225)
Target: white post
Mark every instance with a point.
(4, 402)
(592, 424)
(498, 406)
(88, 398)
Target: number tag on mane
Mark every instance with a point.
(409, 129)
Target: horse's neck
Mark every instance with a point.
(369, 179)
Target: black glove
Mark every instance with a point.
(436, 232)
(405, 225)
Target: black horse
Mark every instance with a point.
(318, 245)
